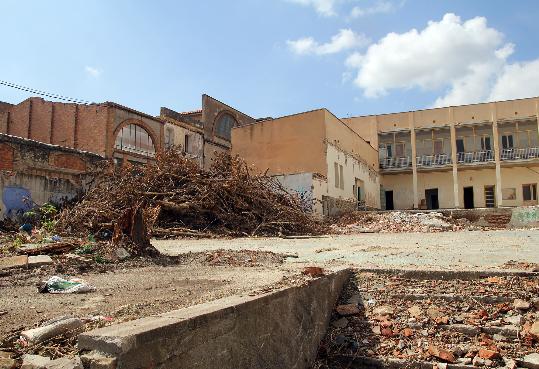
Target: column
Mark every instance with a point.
(456, 199)
(496, 141)
(414, 156)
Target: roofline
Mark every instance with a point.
(441, 107)
(123, 107)
(228, 106)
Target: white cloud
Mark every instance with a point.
(325, 8)
(345, 39)
(93, 72)
(464, 61)
(517, 81)
(378, 8)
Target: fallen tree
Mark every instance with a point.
(175, 197)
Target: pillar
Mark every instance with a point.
(456, 199)
(496, 141)
(414, 158)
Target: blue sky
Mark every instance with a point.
(273, 57)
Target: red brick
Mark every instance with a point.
(6, 157)
(67, 161)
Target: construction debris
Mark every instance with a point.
(59, 285)
(62, 326)
(175, 197)
(432, 323)
(397, 222)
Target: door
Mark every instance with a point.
(431, 195)
(490, 199)
(389, 200)
(468, 198)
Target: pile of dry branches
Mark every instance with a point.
(174, 197)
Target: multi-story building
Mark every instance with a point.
(316, 155)
(481, 155)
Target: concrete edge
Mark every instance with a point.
(447, 274)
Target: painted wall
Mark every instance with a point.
(300, 184)
(402, 187)
(196, 140)
(287, 145)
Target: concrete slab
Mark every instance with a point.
(39, 260)
(13, 262)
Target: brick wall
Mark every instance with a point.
(67, 161)
(6, 157)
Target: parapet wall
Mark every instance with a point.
(281, 329)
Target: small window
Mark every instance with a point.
(485, 143)
(341, 177)
(186, 144)
(507, 141)
(529, 192)
(336, 166)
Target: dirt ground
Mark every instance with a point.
(463, 250)
(133, 289)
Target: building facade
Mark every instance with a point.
(482, 155)
(316, 155)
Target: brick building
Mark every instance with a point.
(32, 172)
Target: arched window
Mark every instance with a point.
(134, 138)
(224, 126)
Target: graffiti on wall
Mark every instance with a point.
(16, 200)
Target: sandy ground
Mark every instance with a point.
(126, 291)
(447, 250)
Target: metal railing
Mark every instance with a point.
(483, 156)
(395, 163)
(520, 154)
(437, 160)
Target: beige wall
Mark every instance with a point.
(292, 144)
(196, 141)
(402, 187)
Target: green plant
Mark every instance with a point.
(48, 225)
(85, 249)
(99, 259)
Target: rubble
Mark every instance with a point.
(397, 222)
(435, 322)
(63, 326)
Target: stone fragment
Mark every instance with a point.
(313, 271)
(376, 330)
(466, 329)
(415, 311)
(39, 260)
(519, 304)
(95, 360)
(340, 323)
(442, 354)
(510, 363)
(347, 310)
(514, 319)
(488, 354)
(535, 302)
(65, 363)
(35, 362)
(407, 332)
(384, 310)
(7, 363)
(477, 361)
(534, 329)
(122, 254)
(387, 332)
(13, 262)
(464, 360)
(499, 337)
(434, 312)
(530, 361)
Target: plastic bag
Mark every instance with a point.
(59, 285)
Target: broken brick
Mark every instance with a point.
(442, 354)
(347, 310)
(488, 354)
(313, 271)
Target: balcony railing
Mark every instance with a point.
(473, 157)
(520, 154)
(438, 160)
(395, 163)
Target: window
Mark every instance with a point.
(460, 145)
(399, 149)
(389, 149)
(485, 143)
(336, 166)
(438, 146)
(341, 177)
(135, 139)
(186, 144)
(507, 141)
(529, 192)
(224, 126)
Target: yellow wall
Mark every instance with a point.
(292, 144)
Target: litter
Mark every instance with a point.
(56, 284)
